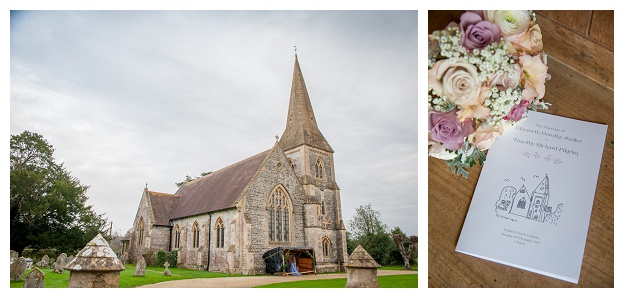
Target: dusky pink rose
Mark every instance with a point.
(507, 79)
(517, 111)
(530, 41)
(459, 81)
(445, 128)
(535, 75)
(477, 33)
(484, 136)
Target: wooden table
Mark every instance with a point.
(572, 95)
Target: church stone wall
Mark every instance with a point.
(135, 250)
(256, 196)
(159, 238)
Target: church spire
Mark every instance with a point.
(301, 127)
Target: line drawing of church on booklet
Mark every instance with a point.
(533, 206)
(225, 221)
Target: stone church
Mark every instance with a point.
(286, 196)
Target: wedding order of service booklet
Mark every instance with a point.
(532, 204)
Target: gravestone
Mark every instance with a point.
(34, 279)
(95, 266)
(361, 270)
(45, 260)
(61, 262)
(14, 256)
(29, 262)
(17, 269)
(167, 272)
(140, 267)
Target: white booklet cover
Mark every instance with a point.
(532, 204)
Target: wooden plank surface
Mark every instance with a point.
(573, 95)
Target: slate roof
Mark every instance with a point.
(162, 206)
(301, 127)
(218, 190)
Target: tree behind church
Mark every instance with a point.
(366, 229)
(47, 205)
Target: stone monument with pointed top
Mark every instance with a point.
(34, 279)
(361, 270)
(95, 266)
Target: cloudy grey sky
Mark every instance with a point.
(134, 97)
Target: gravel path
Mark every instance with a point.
(252, 281)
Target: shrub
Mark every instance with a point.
(166, 256)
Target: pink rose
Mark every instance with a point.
(445, 128)
(459, 81)
(507, 79)
(484, 137)
(530, 41)
(477, 33)
(517, 111)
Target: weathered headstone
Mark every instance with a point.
(61, 262)
(34, 279)
(14, 256)
(17, 269)
(140, 267)
(45, 260)
(95, 266)
(29, 262)
(361, 270)
(167, 272)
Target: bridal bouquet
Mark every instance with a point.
(484, 73)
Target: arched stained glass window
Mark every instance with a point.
(176, 236)
(278, 212)
(141, 231)
(195, 231)
(220, 231)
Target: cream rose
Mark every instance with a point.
(511, 22)
(484, 136)
(458, 81)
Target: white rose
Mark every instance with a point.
(438, 150)
(511, 22)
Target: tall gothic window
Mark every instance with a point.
(176, 236)
(220, 231)
(319, 169)
(278, 213)
(323, 207)
(195, 231)
(326, 247)
(141, 231)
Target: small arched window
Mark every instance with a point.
(176, 236)
(220, 232)
(323, 207)
(278, 215)
(195, 231)
(326, 247)
(141, 231)
(319, 169)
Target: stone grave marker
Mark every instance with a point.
(167, 272)
(34, 279)
(61, 262)
(17, 269)
(14, 256)
(95, 266)
(29, 262)
(43, 263)
(140, 267)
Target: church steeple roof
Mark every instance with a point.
(301, 127)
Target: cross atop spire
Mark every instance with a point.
(301, 127)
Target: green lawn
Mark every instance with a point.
(388, 281)
(127, 278)
(154, 275)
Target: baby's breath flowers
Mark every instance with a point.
(484, 72)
